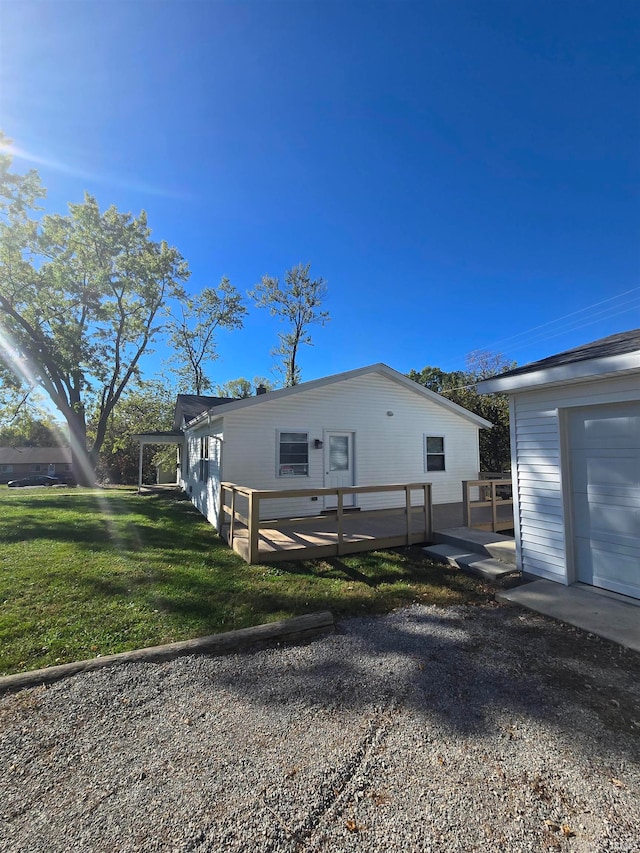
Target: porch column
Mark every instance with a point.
(140, 467)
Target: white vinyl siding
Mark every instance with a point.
(204, 491)
(540, 476)
(387, 448)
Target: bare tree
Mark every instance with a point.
(297, 303)
(193, 331)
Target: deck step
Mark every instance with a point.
(481, 542)
(470, 561)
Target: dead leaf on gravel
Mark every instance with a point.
(379, 797)
(550, 842)
(618, 783)
(552, 826)
(567, 831)
(351, 825)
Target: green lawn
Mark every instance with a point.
(87, 572)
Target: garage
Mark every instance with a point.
(575, 461)
(604, 448)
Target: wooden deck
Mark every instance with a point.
(340, 532)
(317, 536)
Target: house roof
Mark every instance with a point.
(34, 455)
(189, 406)
(221, 408)
(618, 353)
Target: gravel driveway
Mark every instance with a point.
(471, 728)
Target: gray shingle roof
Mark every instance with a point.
(35, 455)
(189, 406)
(618, 344)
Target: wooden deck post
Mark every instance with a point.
(466, 509)
(407, 503)
(494, 508)
(428, 512)
(254, 525)
(340, 520)
(232, 522)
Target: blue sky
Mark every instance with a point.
(464, 175)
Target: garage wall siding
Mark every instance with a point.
(387, 449)
(537, 459)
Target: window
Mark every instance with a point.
(204, 457)
(37, 467)
(67, 466)
(434, 452)
(6, 469)
(293, 454)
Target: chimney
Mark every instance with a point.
(260, 390)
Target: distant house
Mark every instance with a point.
(575, 445)
(17, 462)
(369, 426)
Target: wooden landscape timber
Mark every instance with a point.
(296, 630)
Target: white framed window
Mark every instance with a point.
(204, 457)
(434, 458)
(6, 469)
(292, 453)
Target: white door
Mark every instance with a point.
(338, 466)
(604, 443)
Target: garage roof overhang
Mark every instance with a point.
(577, 371)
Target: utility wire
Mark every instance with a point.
(543, 337)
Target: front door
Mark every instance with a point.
(338, 466)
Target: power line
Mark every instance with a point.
(553, 334)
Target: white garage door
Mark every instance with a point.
(604, 445)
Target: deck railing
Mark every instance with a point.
(494, 493)
(231, 519)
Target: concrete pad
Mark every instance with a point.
(471, 561)
(494, 545)
(504, 551)
(614, 619)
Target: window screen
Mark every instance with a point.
(293, 454)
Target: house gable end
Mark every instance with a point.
(381, 369)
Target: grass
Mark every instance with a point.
(86, 572)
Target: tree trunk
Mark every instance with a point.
(83, 465)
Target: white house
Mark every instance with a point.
(370, 426)
(575, 445)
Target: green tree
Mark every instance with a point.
(459, 387)
(81, 298)
(297, 303)
(146, 406)
(241, 388)
(25, 427)
(193, 332)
